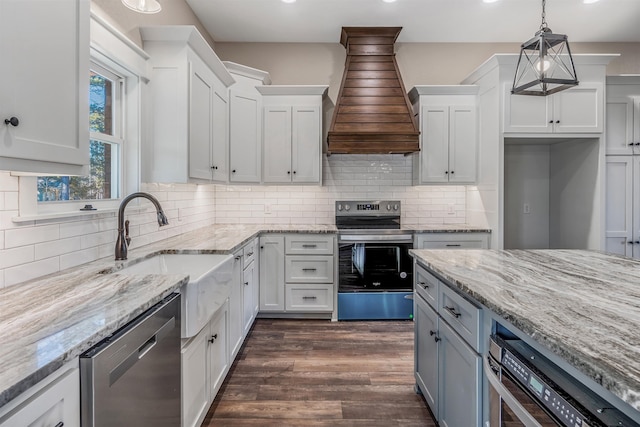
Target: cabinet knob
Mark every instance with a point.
(436, 338)
(452, 172)
(288, 172)
(213, 338)
(294, 172)
(550, 121)
(13, 121)
(637, 143)
(233, 171)
(246, 283)
(446, 172)
(632, 144)
(557, 121)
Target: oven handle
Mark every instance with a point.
(364, 238)
(523, 415)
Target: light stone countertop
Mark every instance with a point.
(584, 306)
(49, 321)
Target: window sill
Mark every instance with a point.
(70, 216)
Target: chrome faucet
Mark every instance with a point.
(122, 243)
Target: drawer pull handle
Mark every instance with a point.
(423, 285)
(237, 258)
(452, 311)
(309, 246)
(250, 254)
(309, 269)
(60, 424)
(309, 297)
(453, 245)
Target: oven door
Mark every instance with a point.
(375, 263)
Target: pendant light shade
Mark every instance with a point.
(143, 6)
(545, 65)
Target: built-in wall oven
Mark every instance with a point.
(527, 389)
(375, 273)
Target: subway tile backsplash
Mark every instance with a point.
(36, 248)
(345, 177)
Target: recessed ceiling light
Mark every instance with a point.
(590, 1)
(288, 1)
(489, 1)
(389, 1)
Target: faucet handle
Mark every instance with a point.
(126, 232)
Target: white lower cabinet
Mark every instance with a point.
(297, 273)
(55, 403)
(205, 362)
(447, 352)
(250, 287)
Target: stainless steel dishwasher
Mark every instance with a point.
(132, 378)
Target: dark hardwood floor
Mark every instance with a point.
(321, 373)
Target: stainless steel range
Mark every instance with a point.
(375, 273)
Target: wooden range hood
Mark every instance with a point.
(373, 114)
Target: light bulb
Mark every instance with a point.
(542, 66)
(143, 6)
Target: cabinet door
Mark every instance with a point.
(220, 143)
(579, 109)
(277, 144)
(195, 381)
(236, 307)
(527, 114)
(460, 380)
(435, 144)
(56, 404)
(306, 145)
(426, 352)
(218, 354)
(247, 298)
(201, 94)
(271, 273)
(44, 82)
(619, 130)
(463, 144)
(619, 205)
(244, 137)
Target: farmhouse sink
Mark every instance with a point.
(207, 290)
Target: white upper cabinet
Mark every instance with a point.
(188, 107)
(448, 134)
(292, 133)
(245, 123)
(44, 84)
(576, 110)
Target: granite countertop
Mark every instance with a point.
(49, 321)
(584, 306)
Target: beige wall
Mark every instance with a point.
(174, 12)
(419, 63)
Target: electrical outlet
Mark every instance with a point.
(451, 209)
(267, 209)
(526, 208)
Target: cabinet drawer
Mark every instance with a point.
(461, 315)
(309, 297)
(249, 253)
(427, 286)
(308, 269)
(305, 244)
(452, 241)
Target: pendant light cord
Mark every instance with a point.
(543, 25)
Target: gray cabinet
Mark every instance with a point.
(448, 240)
(236, 307)
(426, 352)
(447, 351)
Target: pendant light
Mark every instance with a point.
(545, 65)
(143, 6)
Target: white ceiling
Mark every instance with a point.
(422, 20)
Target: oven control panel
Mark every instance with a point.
(563, 410)
(367, 208)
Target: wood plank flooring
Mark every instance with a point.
(320, 373)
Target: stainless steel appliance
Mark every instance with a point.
(132, 378)
(527, 389)
(375, 272)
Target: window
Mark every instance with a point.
(105, 125)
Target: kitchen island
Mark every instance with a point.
(581, 306)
